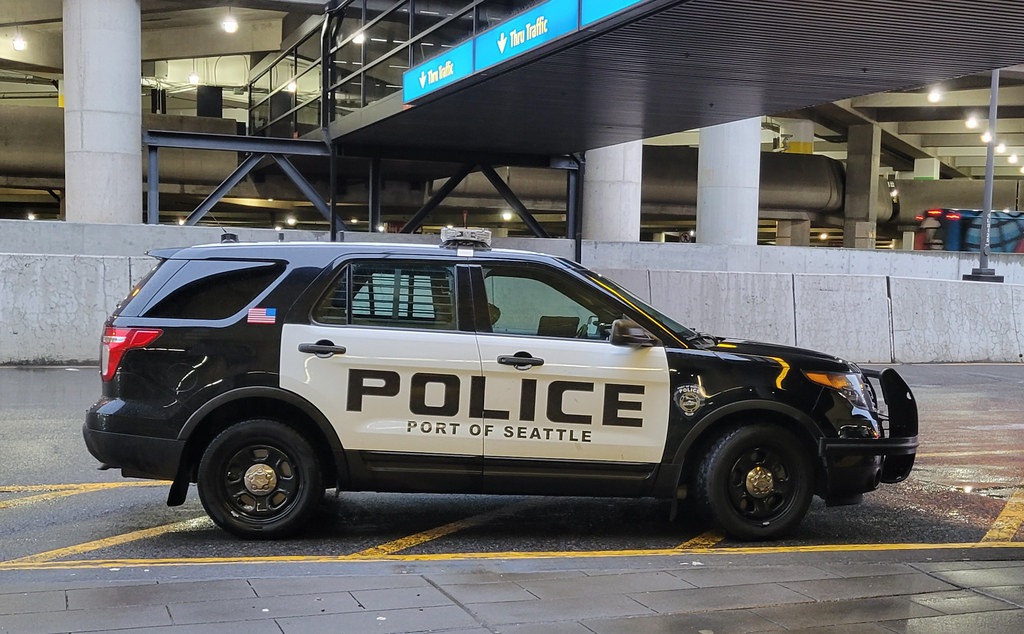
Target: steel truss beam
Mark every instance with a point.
(257, 149)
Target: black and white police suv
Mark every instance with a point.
(266, 373)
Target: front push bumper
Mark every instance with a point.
(856, 465)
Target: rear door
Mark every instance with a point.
(384, 358)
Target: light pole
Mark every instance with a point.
(983, 273)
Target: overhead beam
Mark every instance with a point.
(26, 12)
(955, 151)
(262, 36)
(969, 139)
(44, 50)
(978, 97)
(233, 143)
(1006, 126)
(896, 150)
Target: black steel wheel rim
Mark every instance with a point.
(262, 505)
(761, 506)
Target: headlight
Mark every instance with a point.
(851, 386)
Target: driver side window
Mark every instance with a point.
(534, 302)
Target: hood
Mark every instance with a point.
(798, 357)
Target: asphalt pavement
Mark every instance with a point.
(86, 551)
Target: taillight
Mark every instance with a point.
(117, 341)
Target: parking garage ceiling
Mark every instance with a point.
(679, 66)
(691, 64)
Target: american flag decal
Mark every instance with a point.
(262, 316)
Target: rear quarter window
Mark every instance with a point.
(212, 289)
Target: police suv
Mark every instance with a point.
(266, 373)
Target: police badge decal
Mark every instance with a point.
(689, 399)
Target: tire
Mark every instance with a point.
(283, 486)
(755, 482)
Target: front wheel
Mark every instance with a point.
(259, 479)
(755, 482)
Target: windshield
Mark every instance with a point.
(666, 322)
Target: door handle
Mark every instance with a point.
(325, 349)
(520, 360)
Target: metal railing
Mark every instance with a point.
(355, 54)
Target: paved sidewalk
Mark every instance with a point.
(915, 591)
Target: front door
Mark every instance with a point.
(564, 410)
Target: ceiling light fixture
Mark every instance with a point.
(935, 95)
(291, 87)
(359, 38)
(1001, 148)
(823, 236)
(19, 42)
(971, 122)
(1012, 158)
(230, 24)
(986, 137)
(291, 221)
(506, 215)
(193, 77)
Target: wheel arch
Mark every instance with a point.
(228, 408)
(730, 416)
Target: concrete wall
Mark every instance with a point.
(59, 281)
(945, 265)
(864, 318)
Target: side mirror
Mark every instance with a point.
(626, 332)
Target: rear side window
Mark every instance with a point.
(392, 295)
(212, 289)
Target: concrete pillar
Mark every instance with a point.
(611, 193)
(102, 110)
(728, 176)
(793, 233)
(800, 133)
(863, 157)
(926, 169)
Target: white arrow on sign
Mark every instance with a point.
(501, 43)
(423, 79)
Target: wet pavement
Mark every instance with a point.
(929, 591)
(85, 550)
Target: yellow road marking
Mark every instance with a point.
(91, 486)
(704, 540)
(50, 555)
(55, 491)
(21, 564)
(434, 533)
(32, 499)
(957, 454)
(1010, 520)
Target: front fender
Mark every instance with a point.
(805, 422)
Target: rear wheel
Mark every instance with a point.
(259, 479)
(755, 482)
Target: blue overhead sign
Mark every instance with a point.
(526, 31)
(594, 10)
(439, 71)
(522, 33)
